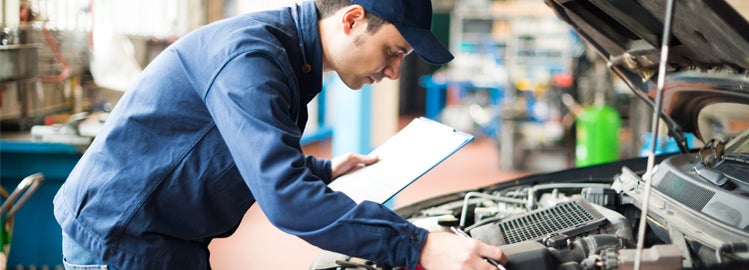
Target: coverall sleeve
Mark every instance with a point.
(253, 102)
(320, 168)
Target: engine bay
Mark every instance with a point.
(698, 216)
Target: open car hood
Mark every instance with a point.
(707, 60)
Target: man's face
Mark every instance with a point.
(369, 57)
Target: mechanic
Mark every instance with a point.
(213, 125)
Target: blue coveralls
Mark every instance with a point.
(212, 126)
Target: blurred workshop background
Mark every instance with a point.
(522, 82)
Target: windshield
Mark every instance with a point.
(723, 121)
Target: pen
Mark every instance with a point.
(461, 233)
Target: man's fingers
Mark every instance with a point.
(362, 161)
(493, 252)
(349, 162)
(366, 160)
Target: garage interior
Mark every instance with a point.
(521, 82)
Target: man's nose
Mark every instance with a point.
(393, 69)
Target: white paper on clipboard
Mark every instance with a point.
(409, 154)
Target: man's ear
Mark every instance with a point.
(353, 17)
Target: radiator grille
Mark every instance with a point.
(570, 218)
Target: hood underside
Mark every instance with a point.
(705, 33)
(708, 54)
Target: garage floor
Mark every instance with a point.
(259, 245)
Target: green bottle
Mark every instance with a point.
(597, 130)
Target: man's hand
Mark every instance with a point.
(350, 162)
(449, 251)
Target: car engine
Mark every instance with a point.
(698, 215)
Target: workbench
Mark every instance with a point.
(37, 237)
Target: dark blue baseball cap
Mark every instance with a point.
(413, 19)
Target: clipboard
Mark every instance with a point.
(403, 158)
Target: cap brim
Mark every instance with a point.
(426, 45)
